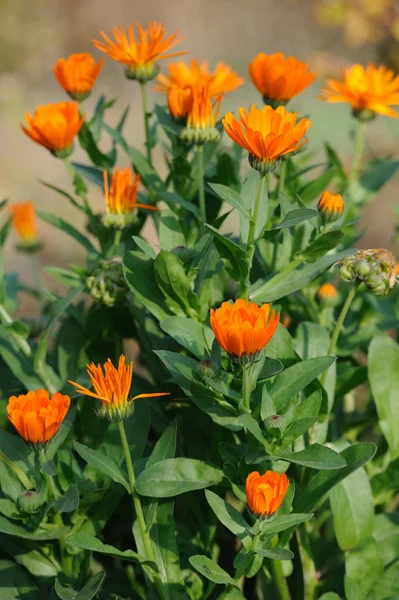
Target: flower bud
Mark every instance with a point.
(107, 283)
(183, 253)
(327, 294)
(346, 272)
(275, 424)
(330, 207)
(30, 501)
(363, 268)
(206, 368)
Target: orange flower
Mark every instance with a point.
(330, 206)
(77, 74)
(112, 387)
(139, 56)
(202, 116)
(327, 292)
(243, 328)
(265, 493)
(36, 416)
(121, 198)
(369, 91)
(24, 222)
(55, 127)
(267, 134)
(278, 78)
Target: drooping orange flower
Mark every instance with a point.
(201, 117)
(330, 206)
(36, 416)
(24, 222)
(112, 386)
(121, 198)
(278, 78)
(368, 90)
(243, 328)
(327, 291)
(265, 493)
(77, 74)
(55, 127)
(139, 55)
(267, 134)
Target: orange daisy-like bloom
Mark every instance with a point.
(265, 493)
(24, 223)
(368, 90)
(267, 134)
(330, 206)
(112, 386)
(36, 416)
(55, 127)
(243, 328)
(278, 78)
(327, 292)
(202, 116)
(121, 198)
(77, 74)
(139, 55)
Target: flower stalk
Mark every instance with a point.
(147, 116)
(358, 152)
(201, 187)
(252, 234)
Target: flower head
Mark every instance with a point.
(24, 223)
(265, 493)
(330, 206)
(376, 268)
(368, 90)
(55, 127)
(243, 328)
(36, 416)
(112, 387)
(278, 78)
(327, 291)
(121, 198)
(77, 74)
(201, 117)
(267, 134)
(139, 55)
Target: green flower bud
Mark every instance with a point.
(206, 368)
(346, 272)
(275, 422)
(183, 253)
(363, 268)
(30, 501)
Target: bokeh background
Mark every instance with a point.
(328, 34)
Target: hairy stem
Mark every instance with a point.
(201, 187)
(246, 396)
(251, 237)
(358, 152)
(147, 115)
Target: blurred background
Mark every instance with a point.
(329, 34)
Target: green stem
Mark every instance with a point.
(20, 341)
(246, 395)
(117, 240)
(147, 115)
(37, 283)
(281, 181)
(18, 471)
(201, 187)
(308, 567)
(358, 152)
(251, 237)
(279, 580)
(138, 507)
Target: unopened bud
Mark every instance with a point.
(275, 422)
(346, 273)
(183, 253)
(206, 368)
(30, 501)
(330, 207)
(363, 268)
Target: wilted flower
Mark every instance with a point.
(375, 268)
(77, 74)
(140, 55)
(267, 134)
(55, 127)
(36, 416)
(112, 387)
(201, 118)
(368, 90)
(278, 78)
(330, 206)
(24, 223)
(243, 328)
(265, 493)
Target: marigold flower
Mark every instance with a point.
(24, 223)
(202, 116)
(121, 198)
(55, 127)
(36, 416)
(278, 78)
(243, 328)
(139, 55)
(267, 134)
(77, 74)
(327, 291)
(265, 493)
(368, 90)
(330, 206)
(112, 387)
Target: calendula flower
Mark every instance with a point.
(36, 416)
(368, 90)
(112, 387)
(266, 134)
(278, 78)
(265, 493)
(202, 116)
(243, 328)
(77, 74)
(24, 223)
(330, 206)
(327, 291)
(121, 198)
(182, 77)
(140, 55)
(55, 127)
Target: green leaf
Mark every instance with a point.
(234, 257)
(309, 407)
(145, 247)
(383, 369)
(294, 379)
(62, 193)
(378, 176)
(90, 173)
(172, 199)
(89, 542)
(322, 245)
(68, 229)
(314, 457)
(16, 583)
(296, 216)
(314, 188)
(352, 508)
(88, 143)
(330, 596)
(190, 334)
(232, 197)
(283, 522)
(227, 514)
(102, 463)
(209, 569)
(170, 232)
(69, 501)
(86, 593)
(10, 528)
(386, 534)
(387, 586)
(182, 368)
(20, 364)
(249, 423)
(175, 476)
(270, 367)
(174, 284)
(64, 276)
(15, 449)
(61, 435)
(364, 566)
(275, 553)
